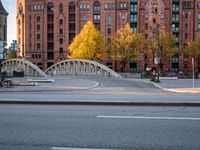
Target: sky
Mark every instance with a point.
(10, 6)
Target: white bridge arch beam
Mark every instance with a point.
(18, 65)
(81, 67)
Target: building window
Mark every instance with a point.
(146, 16)
(154, 20)
(97, 15)
(186, 16)
(121, 5)
(38, 27)
(61, 41)
(38, 36)
(146, 36)
(97, 7)
(199, 16)
(109, 31)
(81, 6)
(109, 21)
(61, 50)
(146, 26)
(125, 5)
(186, 26)
(38, 45)
(61, 8)
(84, 18)
(61, 31)
(186, 36)
(61, 22)
(186, 4)
(198, 4)
(162, 16)
(72, 18)
(38, 18)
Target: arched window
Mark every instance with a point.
(61, 8)
(50, 8)
(97, 7)
(72, 7)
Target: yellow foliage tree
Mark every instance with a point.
(163, 46)
(126, 45)
(88, 44)
(193, 50)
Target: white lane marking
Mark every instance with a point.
(4, 99)
(152, 118)
(65, 148)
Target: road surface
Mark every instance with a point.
(46, 127)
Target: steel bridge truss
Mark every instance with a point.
(21, 65)
(81, 67)
(73, 67)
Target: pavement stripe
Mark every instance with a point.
(65, 148)
(150, 118)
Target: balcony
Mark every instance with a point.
(134, 10)
(134, 20)
(176, 29)
(175, 9)
(175, 19)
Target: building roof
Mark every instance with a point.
(2, 9)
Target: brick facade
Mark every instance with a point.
(45, 28)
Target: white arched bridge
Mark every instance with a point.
(73, 67)
(21, 65)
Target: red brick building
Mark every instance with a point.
(45, 28)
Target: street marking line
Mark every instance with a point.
(4, 99)
(65, 148)
(150, 118)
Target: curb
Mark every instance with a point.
(175, 91)
(98, 103)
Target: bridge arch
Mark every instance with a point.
(12, 65)
(81, 67)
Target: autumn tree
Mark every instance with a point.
(193, 50)
(126, 45)
(162, 46)
(88, 44)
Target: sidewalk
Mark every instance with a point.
(180, 85)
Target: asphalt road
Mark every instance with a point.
(108, 90)
(46, 127)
